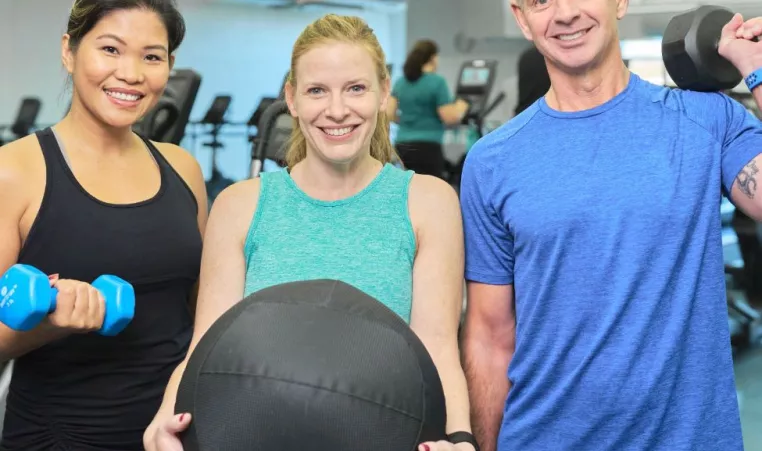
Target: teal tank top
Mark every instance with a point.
(366, 240)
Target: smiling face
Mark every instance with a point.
(572, 34)
(121, 67)
(337, 100)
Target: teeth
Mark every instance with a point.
(123, 96)
(571, 37)
(338, 131)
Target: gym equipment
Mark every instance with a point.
(215, 117)
(690, 50)
(26, 298)
(179, 96)
(311, 366)
(25, 119)
(475, 83)
(159, 121)
(274, 132)
(477, 77)
(256, 118)
(745, 291)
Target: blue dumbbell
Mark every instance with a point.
(26, 298)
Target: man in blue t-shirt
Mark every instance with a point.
(597, 316)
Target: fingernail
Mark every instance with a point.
(426, 447)
(182, 418)
(53, 277)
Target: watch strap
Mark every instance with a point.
(463, 437)
(754, 79)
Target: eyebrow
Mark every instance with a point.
(121, 41)
(349, 83)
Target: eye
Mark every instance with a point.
(155, 58)
(314, 91)
(109, 49)
(357, 88)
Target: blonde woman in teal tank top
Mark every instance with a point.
(340, 210)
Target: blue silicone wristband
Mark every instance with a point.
(754, 79)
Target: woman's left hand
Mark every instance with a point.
(737, 45)
(445, 446)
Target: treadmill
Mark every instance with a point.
(477, 78)
(475, 83)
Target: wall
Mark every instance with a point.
(241, 50)
(245, 51)
(446, 27)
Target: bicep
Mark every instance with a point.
(491, 314)
(745, 193)
(488, 241)
(438, 267)
(223, 266)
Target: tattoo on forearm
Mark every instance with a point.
(746, 181)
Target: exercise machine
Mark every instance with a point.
(265, 103)
(167, 121)
(744, 294)
(215, 117)
(475, 85)
(275, 128)
(26, 118)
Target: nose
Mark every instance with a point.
(567, 11)
(337, 109)
(130, 71)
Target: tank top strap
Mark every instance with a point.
(55, 163)
(171, 179)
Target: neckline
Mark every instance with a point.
(67, 170)
(600, 109)
(339, 202)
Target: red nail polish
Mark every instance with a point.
(426, 447)
(182, 418)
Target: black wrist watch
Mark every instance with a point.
(463, 437)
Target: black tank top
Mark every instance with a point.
(89, 392)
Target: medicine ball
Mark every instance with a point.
(310, 366)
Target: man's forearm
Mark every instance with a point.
(486, 373)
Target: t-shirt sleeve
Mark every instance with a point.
(488, 242)
(442, 94)
(741, 140)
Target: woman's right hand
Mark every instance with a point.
(162, 433)
(80, 308)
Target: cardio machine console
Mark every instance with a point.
(475, 83)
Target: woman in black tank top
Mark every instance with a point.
(89, 197)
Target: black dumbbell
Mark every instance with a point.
(690, 50)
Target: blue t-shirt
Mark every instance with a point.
(607, 224)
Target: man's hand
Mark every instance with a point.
(737, 44)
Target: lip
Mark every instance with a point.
(128, 104)
(557, 36)
(125, 91)
(337, 127)
(341, 138)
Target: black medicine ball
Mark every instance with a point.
(311, 366)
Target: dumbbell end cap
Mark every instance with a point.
(120, 304)
(24, 297)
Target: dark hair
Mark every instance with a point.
(421, 54)
(85, 15)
